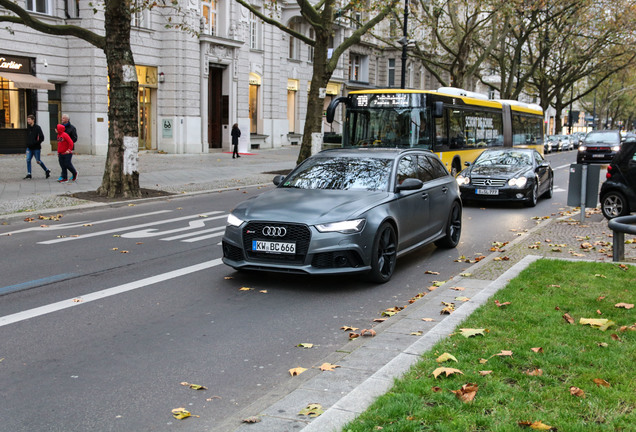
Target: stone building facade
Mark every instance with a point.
(192, 88)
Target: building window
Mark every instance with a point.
(393, 27)
(292, 91)
(255, 84)
(358, 20)
(71, 8)
(41, 6)
(358, 67)
(391, 72)
(139, 15)
(208, 17)
(12, 106)
(354, 67)
(310, 49)
(293, 42)
(256, 32)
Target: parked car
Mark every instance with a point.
(599, 147)
(548, 145)
(559, 142)
(347, 211)
(507, 175)
(565, 142)
(578, 138)
(618, 192)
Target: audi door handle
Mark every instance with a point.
(444, 189)
(425, 196)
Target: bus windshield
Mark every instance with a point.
(387, 127)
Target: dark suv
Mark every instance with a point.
(618, 192)
(599, 147)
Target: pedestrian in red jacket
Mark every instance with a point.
(64, 154)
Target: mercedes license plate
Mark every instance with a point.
(487, 191)
(273, 247)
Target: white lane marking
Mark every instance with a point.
(87, 298)
(205, 237)
(98, 233)
(82, 223)
(153, 232)
(561, 167)
(181, 236)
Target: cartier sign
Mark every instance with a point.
(14, 64)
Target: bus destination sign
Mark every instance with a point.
(388, 100)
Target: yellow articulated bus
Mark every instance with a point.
(455, 124)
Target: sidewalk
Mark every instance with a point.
(167, 172)
(368, 364)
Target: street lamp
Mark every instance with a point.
(404, 41)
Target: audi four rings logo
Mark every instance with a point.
(271, 231)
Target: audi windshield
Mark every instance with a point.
(341, 173)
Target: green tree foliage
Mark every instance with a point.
(324, 17)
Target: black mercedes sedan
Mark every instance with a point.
(347, 211)
(507, 174)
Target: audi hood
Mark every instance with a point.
(309, 206)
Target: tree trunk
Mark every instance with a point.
(121, 175)
(320, 78)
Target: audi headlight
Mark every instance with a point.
(582, 148)
(233, 220)
(345, 227)
(462, 180)
(616, 148)
(518, 182)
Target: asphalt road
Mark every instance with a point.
(104, 313)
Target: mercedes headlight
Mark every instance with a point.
(462, 180)
(345, 227)
(518, 182)
(234, 221)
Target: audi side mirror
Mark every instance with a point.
(410, 184)
(279, 179)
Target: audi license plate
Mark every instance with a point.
(487, 191)
(273, 247)
(598, 155)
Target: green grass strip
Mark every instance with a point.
(508, 398)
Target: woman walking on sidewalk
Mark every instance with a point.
(64, 154)
(236, 133)
(35, 137)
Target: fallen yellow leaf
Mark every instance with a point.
(448, 371)
(328, 367)
(575, 391)
(297, 371)
(445, 357)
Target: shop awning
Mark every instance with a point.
(25, 81)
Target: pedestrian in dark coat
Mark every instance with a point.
(236, 133)
(35, 137)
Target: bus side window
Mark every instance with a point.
(457, 138)
(441, 132)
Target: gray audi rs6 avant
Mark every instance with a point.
(347, 211)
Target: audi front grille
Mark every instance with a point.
(296, 233)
